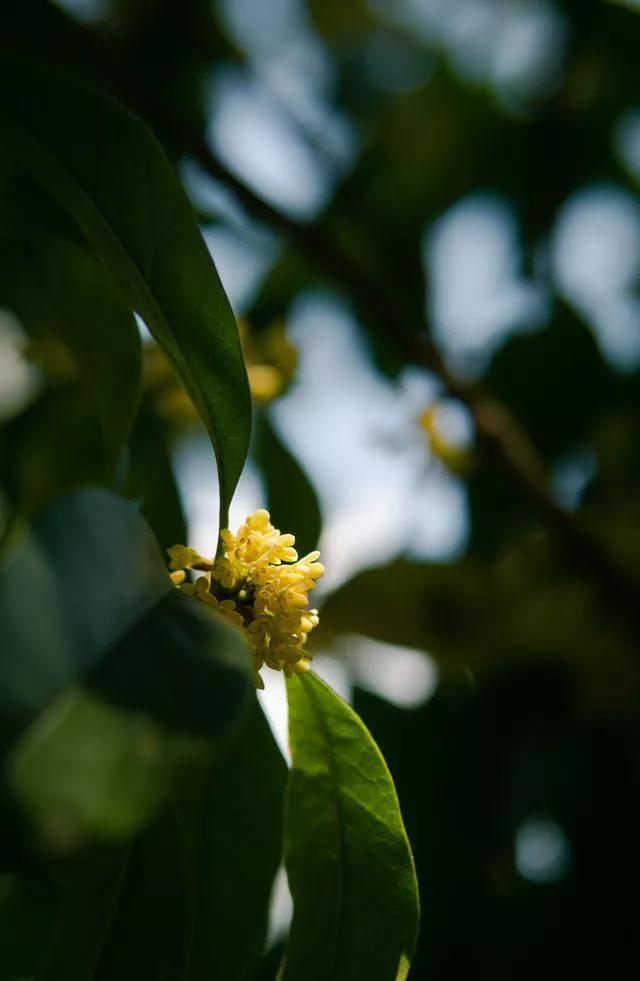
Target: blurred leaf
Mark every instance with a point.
(555, 380)
(89, 892)
(236, 846)
(189, 898)
(56, 445)
(91, 569)
(149, 931)
(151, 481)
(110, 619)
(291, 497)
(28, 920)
(412, 604)
(340, 21)
(183, 663)
(102, 914)
(348, 859)
(473, 614)
(120, 189)
(86, 769)
(57, 287)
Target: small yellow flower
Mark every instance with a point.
(259, 584)
(183, 557)
(201, 590)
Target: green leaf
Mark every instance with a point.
(351, 873)
(28, 908)
(151, 481)
(188, 899)
(236, 844)
(57, 287)
(86, 769)
(429, 606)
(55, 446)
(88, 892)
(94, 914)
(131, 673)
(104, 167)
(291, 497)
(477, 615)
(149, 930)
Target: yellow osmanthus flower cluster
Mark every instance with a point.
(260, 585)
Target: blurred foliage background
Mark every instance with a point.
(426, 215)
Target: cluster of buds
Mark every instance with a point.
(259, 584)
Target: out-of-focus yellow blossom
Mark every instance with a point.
(455, 458)
(167, 394)
(265, 382)
(260, 584)
(184, 557)
(52, 356)
(271, 360)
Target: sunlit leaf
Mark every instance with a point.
(106, 169)
(348, 859)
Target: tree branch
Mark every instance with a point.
(497, 429)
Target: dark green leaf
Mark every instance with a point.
(529, 374)
(291, 498)
(188, 899)
(349, 863)
(156, 669)
(58, 288)
(474, 615)
(86, 769)
(113, 913)
(28, 909)
(149, 933)
(92, 570)
(55, 446)
(33, 911)
(107, 170)
(236, 842)
(151, 481)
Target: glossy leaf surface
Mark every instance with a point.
(106, 169)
